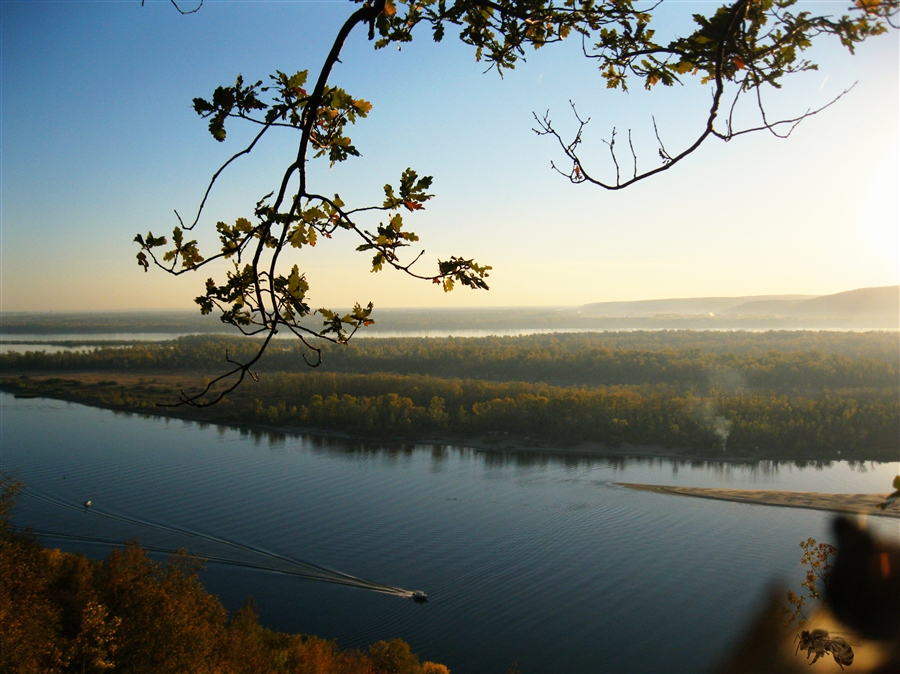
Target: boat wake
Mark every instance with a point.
(256, 558)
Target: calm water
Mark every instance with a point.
(35, 341)
(530, 558)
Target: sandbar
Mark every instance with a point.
(857, 504)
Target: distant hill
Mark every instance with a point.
(684, 306)
(861, 308)
(864, 302)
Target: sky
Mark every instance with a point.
(98, 141)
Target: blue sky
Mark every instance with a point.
(99, 142)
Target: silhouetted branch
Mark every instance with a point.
(241, 371)
(190, 11)
(215, 175)
(761, 42)
(182, 11)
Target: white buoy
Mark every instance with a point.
(87, 504)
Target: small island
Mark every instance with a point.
(723, 397)
(854, 504)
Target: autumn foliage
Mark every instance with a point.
(817, 558)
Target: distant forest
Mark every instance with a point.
(778, 395)
(784, 361)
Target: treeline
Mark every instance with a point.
(846, 423)
(779, 395)
(64, 613)
(857, 424)
(700, 362)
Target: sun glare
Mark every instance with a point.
(879, 222)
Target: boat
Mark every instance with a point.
(87, 504)
(419, 597)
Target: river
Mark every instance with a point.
(530, 558)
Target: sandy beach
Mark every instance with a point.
(857, 504)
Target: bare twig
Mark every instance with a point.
(178, 7)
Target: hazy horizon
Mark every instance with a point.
(777, 296)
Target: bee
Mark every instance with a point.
(818, 642)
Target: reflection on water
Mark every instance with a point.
(526, 456)
(798, 475)
(57, 343)
(526, 557)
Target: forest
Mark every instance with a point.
(776, 395)
(783, 360)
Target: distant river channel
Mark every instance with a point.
(531, 558)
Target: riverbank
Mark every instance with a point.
(153, 394)
(852, 504)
